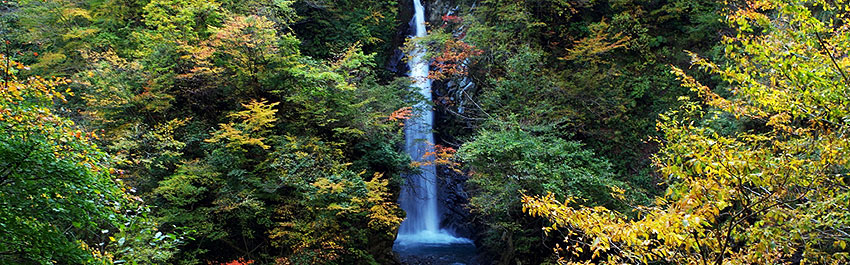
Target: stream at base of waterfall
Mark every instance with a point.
(420, 239)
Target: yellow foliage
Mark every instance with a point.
(773, 197)
(382, 213)
(598, 43)
(254, 122)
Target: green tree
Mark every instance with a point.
(509, 162)
(329, 27)
(60, 200)
(595, 71)
(286, 199)
(775, 192)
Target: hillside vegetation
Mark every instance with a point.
(271, 132)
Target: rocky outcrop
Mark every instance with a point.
(395, 62)
(453, 200)
(435, 9)
(452, 196)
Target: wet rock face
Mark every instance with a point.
(395, 62)
(435, 9)
(454, 199)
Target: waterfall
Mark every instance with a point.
(419, 195)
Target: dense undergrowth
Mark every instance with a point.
(268, 132)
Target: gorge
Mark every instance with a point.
(426, 132)
(420, 233)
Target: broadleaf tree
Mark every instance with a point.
(758, 176)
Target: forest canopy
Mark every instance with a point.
(564, 132)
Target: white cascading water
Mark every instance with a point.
(419, 196)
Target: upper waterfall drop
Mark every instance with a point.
(419, 196)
